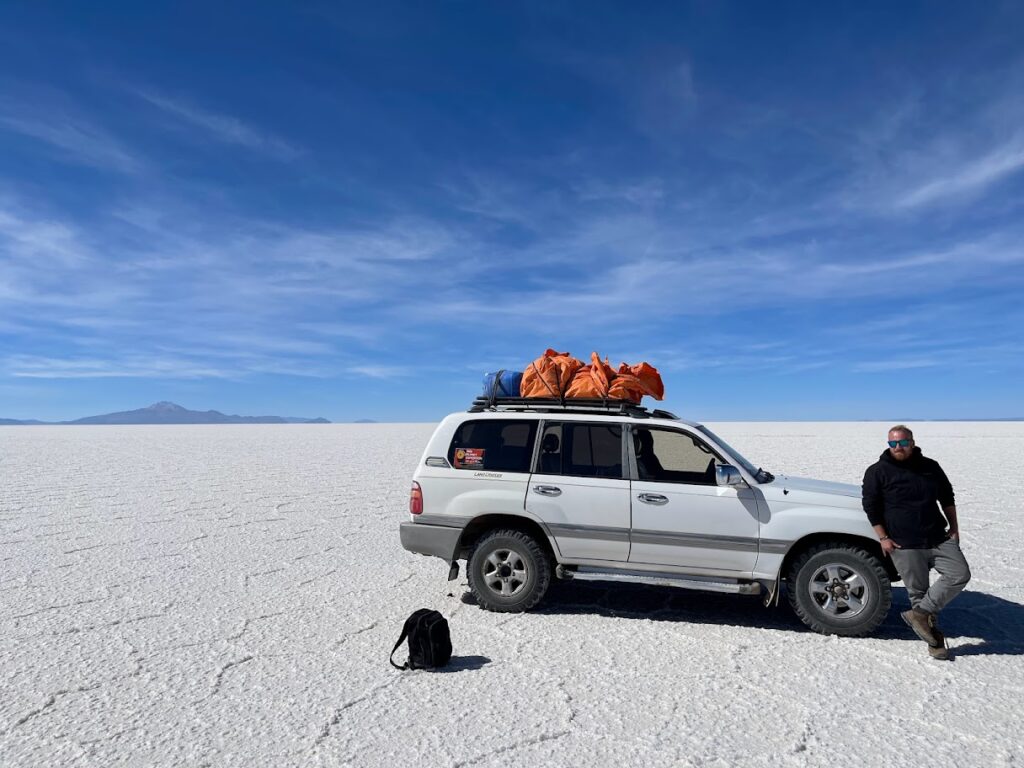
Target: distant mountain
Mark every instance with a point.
(172, 413)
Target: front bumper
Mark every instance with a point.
(437, 540)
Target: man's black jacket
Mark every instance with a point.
(904, 496)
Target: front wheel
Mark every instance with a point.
(509, 571)
(839, 589)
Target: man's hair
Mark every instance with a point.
(903, 428)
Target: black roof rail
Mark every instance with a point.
(572, 405)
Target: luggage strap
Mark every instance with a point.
(494, 387)
(547, 386)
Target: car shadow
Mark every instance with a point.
(997, 622)
(653, 603)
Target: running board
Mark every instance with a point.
(660, 580)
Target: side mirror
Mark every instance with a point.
(726, 474)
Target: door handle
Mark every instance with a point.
(547, 490)
(653, 498)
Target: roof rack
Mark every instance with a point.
(572, 405)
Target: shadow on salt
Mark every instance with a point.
(996, 625)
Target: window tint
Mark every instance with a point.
(497, 446)
(664, 455)
(581, 450)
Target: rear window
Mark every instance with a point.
(496, 446)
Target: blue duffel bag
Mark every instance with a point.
(502, 384)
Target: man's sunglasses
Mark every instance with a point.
(901, 443)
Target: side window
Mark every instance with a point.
(493, 445)
(581, 450)
(668, 456)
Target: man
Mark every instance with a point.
(902, 494)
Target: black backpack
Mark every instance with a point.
(430, 644)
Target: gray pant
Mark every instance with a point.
(914, 564)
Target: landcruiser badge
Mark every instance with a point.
(469, 458)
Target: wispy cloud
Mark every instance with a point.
(969, 175)
(40, 239)
(954, 356)
(382, 371)
(48, 267)
(75, 139)
(694, 280)
(641, 192)
(223, 128)
(266, 343)
(32, 367)
(946, 146)
(880, 366)
(349, 330)
(211, 295)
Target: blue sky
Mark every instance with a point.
(794, 211)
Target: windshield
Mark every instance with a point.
(761, 475)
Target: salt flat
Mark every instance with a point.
(228, 596)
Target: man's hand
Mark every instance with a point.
(888, 545)
(954, 526)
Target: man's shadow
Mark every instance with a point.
(995, 625)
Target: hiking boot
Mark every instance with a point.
(921, 622)
(940, 652)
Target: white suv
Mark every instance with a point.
(528, 490)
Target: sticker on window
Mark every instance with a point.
(469, 458)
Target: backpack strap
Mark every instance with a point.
(391, 658)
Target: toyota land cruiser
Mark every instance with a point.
(529, 490)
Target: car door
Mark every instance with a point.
(580, 490)
(680, 516)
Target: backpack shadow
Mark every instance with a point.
(462, 664)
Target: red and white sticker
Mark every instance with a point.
(469, 458)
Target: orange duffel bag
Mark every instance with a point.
(626, 386)
(591, 380)
(639, 380)
(549, 375)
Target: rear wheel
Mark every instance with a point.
(508, 571)
(839, 589)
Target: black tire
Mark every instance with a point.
(508, 571)
(839, 589)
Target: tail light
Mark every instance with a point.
(416, 499)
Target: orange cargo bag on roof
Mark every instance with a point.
(638, 380)
(549, 375)
(591, 380)
(626, 386)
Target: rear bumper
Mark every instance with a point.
(437, 540)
